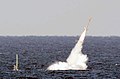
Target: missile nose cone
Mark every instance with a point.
(90, 19)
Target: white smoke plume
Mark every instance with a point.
(76, 60)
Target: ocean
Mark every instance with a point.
(36, 53)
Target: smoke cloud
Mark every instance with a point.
(76, 60)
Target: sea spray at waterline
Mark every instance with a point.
(76, 60)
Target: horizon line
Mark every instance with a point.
(59, 35)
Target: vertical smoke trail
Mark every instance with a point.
(76, 60)
(16, 66)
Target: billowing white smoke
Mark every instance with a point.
(76, 60)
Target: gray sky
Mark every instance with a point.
(59, 17)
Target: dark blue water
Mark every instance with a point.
(37, 53)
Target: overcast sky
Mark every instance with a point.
(59, 17)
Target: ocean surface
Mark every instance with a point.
(36, 53)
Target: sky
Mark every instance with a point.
(59, 17)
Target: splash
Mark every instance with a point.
(76, 60)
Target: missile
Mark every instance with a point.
(86, 27)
